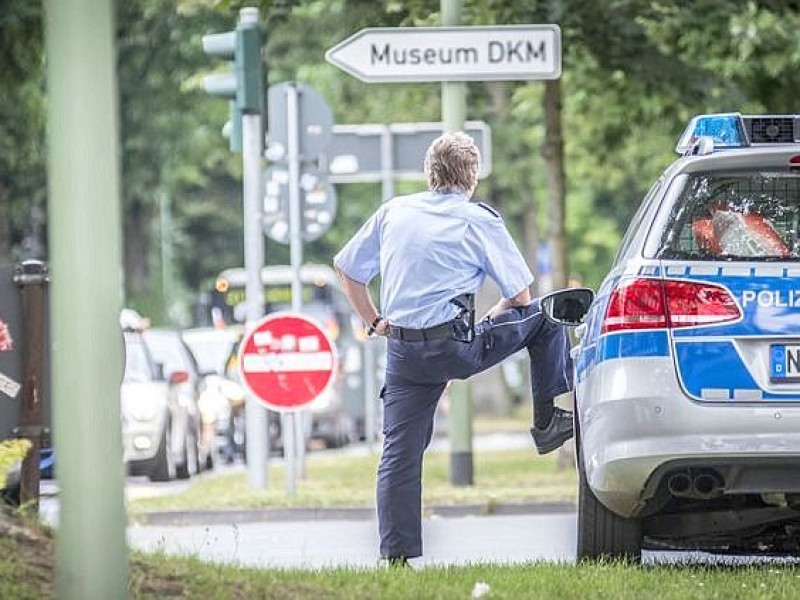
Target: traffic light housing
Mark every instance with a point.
(244, 84)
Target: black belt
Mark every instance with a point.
(421, 335)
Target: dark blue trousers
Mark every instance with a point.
(416, 375)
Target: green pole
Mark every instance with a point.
(86, 267)
(454, 113)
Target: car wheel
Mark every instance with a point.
(603, 534)
(163, 463)
(191, 462)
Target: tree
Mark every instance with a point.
(22, 181)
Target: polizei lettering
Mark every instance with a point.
(776, 298)
(495, 52)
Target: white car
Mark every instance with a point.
(157, 439)
(688, 362)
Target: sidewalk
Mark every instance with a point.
(340, 513)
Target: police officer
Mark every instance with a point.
(433, 250)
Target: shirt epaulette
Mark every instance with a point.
(489, 208)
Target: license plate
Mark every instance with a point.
(785, 363)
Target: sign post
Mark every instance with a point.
(286, 362)
(299, 129)
(454, 113)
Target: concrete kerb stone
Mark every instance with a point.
(344, 513)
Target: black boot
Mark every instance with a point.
(558, 431)
(394, 562)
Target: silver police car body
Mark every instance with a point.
(687, 367)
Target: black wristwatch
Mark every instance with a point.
(372, 327)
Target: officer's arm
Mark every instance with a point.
(521, 299)
(358, 295)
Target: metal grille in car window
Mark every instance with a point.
(750, 216)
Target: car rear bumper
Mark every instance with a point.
(633, 425)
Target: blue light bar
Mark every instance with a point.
(726, 131)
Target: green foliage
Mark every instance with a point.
(634, 72)
(11, 452)
(22, 181)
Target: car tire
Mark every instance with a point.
(603, 534)
(191, 461)
(163, 464)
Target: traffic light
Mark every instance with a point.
(243, 85)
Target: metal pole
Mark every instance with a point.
(86, 261)
(387, 164)
(255, 413)
(369, 347)
(296, 259)
(454, 112)
(32, 277)
(370, 393)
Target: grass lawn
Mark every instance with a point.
(340, 480)
(27, 572)
(537, 580)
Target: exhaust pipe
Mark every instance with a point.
(680, 485)
(707, 485)
(703, 485)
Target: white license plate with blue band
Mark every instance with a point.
(785, 363)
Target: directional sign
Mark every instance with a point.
(398, 54)
(359, 153)
(287, 361)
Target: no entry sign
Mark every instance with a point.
(287, 361)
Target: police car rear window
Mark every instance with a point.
(735, 216)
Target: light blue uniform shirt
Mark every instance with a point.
(429, 248)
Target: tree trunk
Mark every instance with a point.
(5, 228)
(137, 258)
(553, 154)
(531, 237)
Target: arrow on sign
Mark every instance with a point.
(399, 54)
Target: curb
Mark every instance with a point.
(344, 513)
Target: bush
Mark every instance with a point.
(11, 451)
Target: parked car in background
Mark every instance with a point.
(221, 397)
(173, 355)
(155, 425)
(211, 346)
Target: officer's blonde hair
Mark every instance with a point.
(451, 163)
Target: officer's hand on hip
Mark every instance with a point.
(382, 328)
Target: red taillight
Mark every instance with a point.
(177, 377)
(638, 304)
(657, 304)
(691, 304)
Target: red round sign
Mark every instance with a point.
(287, 361)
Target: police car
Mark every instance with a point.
(687, 368)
